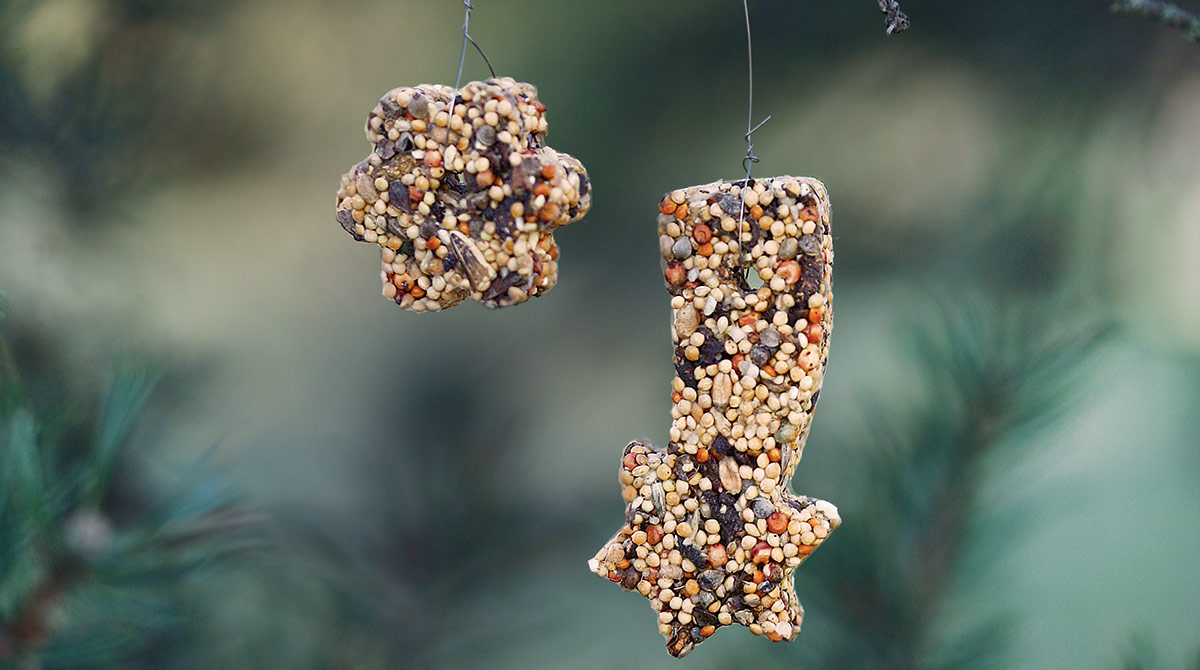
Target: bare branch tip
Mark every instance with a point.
(1166, 13)
(895, 20)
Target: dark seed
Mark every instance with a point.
(630, 579)
(347, 221)
(719, 446)
(712, 349)
(485, 136)
(398, 196)
(693, 554)
(760, 354)
(710, 579)
(391, 108)
(405, 142)
(418, 106)
(499, 286)
(762, 508)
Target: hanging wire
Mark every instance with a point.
(462, 59)
(750, 159)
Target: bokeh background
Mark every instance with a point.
(1010, 419)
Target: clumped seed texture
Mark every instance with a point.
(461, 195)
(712, 534)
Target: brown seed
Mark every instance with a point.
(550, 212)
(654, 534)
(701, 453)
(707, 631)
(772, 571)
(761, 553)
(702, 234)
(813, 333)
(667, 206)
(630, 461)
(777, 522)
(789, 271)
(676, 274)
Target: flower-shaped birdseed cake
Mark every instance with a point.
(711, 532)
(461, 195)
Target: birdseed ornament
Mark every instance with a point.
(461, 195)
(711, 532)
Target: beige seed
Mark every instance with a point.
(731, 480)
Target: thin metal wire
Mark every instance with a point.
(750, 159)
(462, 59)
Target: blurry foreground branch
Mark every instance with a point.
(89, 576)
(1166, 13)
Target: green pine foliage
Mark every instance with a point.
(86, 577)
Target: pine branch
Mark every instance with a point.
(1167, 13)
(992, 373)
(61, 551)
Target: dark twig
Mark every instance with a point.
(895, 20)
(1167, 13)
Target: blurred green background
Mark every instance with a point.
(1009, 424)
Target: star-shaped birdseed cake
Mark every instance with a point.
(711, 533)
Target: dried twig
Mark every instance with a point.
(895, 20)
(1167, 13)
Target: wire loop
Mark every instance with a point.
(462, 59)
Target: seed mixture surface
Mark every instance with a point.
(711, 532)
(461, 195)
